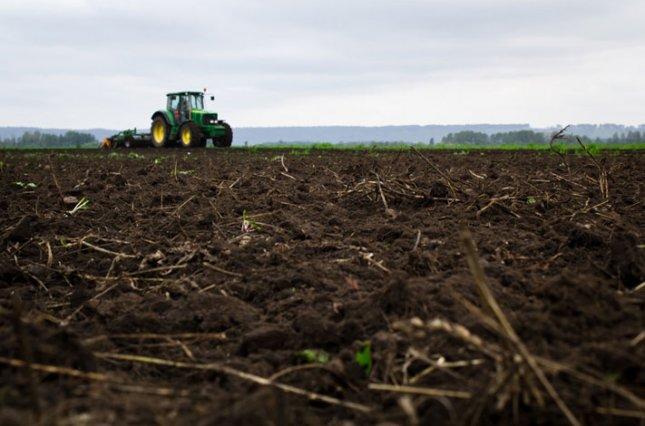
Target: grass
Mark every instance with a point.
(304, 149)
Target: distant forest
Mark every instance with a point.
(36, 139)
(350, 136)
(529, 137)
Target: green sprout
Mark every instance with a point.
(135, 156)
(23, 185)
(83, 204)
(364, 357)
(531, 200)
(64, 243)
(314, 356)
(248, 224)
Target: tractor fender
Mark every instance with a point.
(170, 120)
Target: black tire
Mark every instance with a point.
(190, 135)
(160, 139)
(226, 140)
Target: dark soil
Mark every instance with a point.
(160, 264)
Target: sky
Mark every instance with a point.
(109, 63)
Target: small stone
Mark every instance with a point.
(71, 200)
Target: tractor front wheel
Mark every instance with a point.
(160, 132)
(190, 135)
(225, 140)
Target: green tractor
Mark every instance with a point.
(184, 122)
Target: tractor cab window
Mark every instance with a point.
(173, 103)
(196, 101)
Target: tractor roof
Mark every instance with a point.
(185, 93)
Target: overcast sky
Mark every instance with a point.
(109, 63)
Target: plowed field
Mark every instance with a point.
(234, 287)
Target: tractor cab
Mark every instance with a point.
(181, 105)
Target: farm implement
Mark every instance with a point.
(183, 123)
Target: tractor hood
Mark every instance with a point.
(203, 117)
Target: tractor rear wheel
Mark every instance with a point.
(160, 132)
(225, 140)
(190, 135)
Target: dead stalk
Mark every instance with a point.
(417, 390)
(51, 170)
(312, 396)
(444, 175)
(388, 211)
(222, 271)
(93, 376)
(105, 251)
(603, 181)
(559, 135)
(416, 242)
(490, 303)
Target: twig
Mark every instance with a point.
(312, 396)
(388, 211)
(441, 364)
(93, 376)
(638, 339)
(491, 203)
(157, 269)
(223, 271)
(368, 257)
(155, 336)
(105, 251)
(283, 166)
(620, 412)
(619, 390)
(183, 204)
(416, 242)
(235, 182)
(287, 175)
(50, 254)
(380, 190)
(32, 276)
(18, 363)
(415, 390)
(295, 368)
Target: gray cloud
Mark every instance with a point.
(108, 63)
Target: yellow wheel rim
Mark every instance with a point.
(158, 132)
(186, 136)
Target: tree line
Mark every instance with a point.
(69, 139)
(529, 137)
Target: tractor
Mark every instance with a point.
(183, 123)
